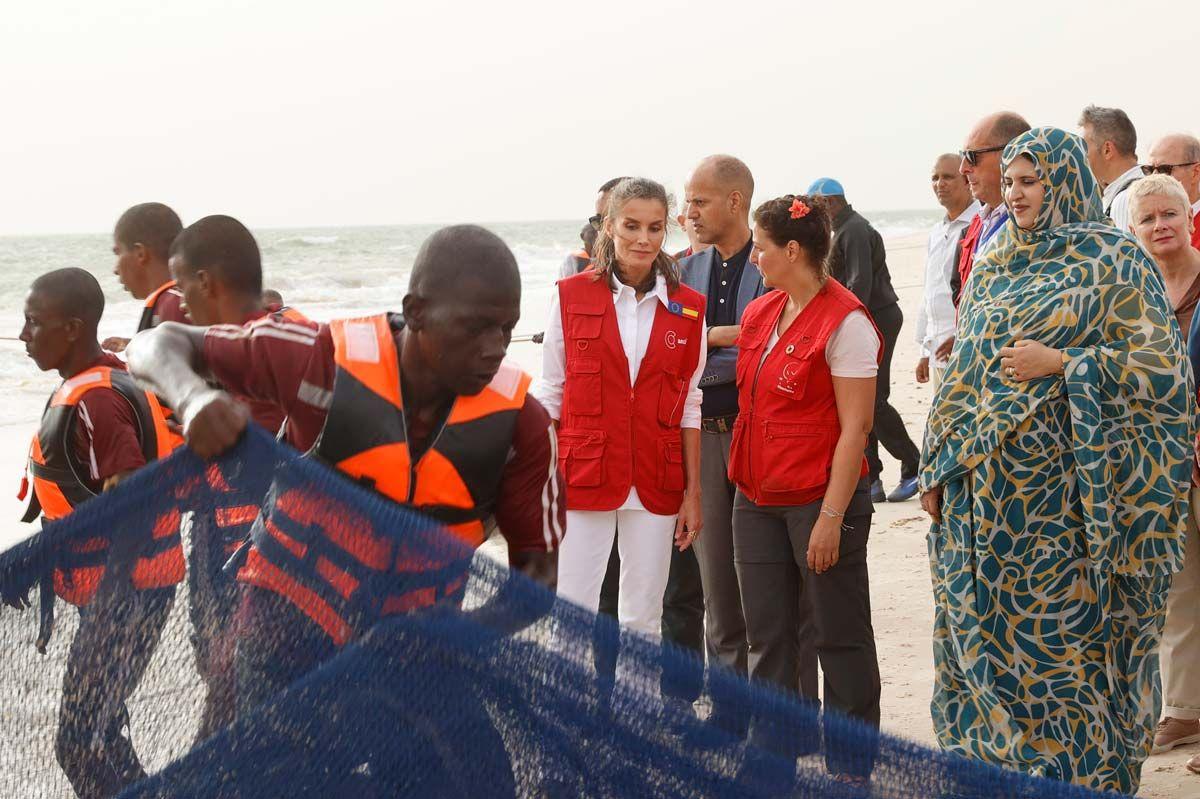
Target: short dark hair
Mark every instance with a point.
(224, 247)
(153, 225)
(460, 252)
(75, 293)
(811, 231)
(1007, 126)
(1111, 124)
(609, 185)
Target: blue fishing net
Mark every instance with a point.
(497, 690)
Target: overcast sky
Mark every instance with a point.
(287, 113)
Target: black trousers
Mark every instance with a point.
(118, 633)
(889, 427)
(779, 591)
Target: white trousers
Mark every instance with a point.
(644, 541)
(1179, 657)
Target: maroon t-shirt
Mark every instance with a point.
(106, 429)
(290, 364)
(168, 307)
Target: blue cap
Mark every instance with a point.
(826, 187)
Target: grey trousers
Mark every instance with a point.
(779, 592)
(724, 625)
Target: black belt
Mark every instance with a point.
(718, 424)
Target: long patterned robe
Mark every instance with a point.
(1063, 503)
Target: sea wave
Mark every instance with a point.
(305, 241)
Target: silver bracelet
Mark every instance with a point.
(828, 511)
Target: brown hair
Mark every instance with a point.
(605, 257)
(811, 231)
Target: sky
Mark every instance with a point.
(297, 113)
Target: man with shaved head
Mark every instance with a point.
(980, 165)
(718, 196)
(415, 405)
(142, 240)
(1178, 155)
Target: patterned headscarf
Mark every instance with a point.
(1075, 283)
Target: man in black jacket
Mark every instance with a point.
(859, 262)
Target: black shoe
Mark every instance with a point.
(877, 493)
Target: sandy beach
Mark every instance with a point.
(899, 567)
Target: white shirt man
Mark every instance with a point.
(1116, 198)
(937, 317)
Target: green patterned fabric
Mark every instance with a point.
(1064, 497)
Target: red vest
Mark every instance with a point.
(1196, 233)
(787, 425)
(966, 255)
(613, 436)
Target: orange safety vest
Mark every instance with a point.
(336, 570)
(61, 483)
(147, 320)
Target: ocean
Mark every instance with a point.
(324, 272)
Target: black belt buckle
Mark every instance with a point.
(718, 424)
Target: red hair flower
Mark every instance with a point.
(799, 209)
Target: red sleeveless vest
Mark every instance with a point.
(613, 436)
(787, 425)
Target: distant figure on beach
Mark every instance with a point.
(98, 428)
(1112, 153)
(1056, 465)
(463, 443)
(808, 354)
(577, 261)
(938, 318)
(1178, 155)
(141, 240)
(1162, 220)
(607, 367)
(980, 165)
(858, 261)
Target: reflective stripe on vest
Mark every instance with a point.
(61, 483)
(612, 435)
(147, 320)
(787, 425)
(341, 573)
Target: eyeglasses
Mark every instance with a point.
(972, 156)
(594, 220)
(1164, 169)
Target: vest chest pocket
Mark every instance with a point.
(581, 457)
(789, 378)
(749, 343)
(671, 397)
(584, 322)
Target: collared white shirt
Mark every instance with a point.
(1196, 208)
(1116, 198)
(937, 318)
(634, 322)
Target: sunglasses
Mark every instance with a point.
(972, 156)
(1165, 169)
(594, 220)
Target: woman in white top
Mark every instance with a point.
(623, 355)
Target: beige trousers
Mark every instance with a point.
(1179, 656)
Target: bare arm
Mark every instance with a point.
(855, 397)
(690, 520)
(169, 361)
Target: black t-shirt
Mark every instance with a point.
(722, 400)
